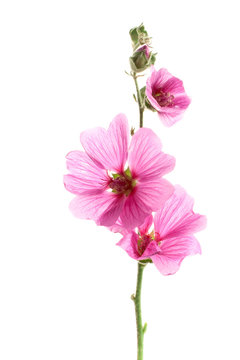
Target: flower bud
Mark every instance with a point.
(141, 59)
(139, 36)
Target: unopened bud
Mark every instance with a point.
(139, 36)
(141, 59)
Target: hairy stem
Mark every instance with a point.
(140, 100)
(137, 301)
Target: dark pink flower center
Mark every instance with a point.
(144, 241)
(122, 184)
(163, 98)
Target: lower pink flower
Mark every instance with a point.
(171, 239)
(113, 179)
(166, 94)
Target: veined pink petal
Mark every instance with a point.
(78, 186)
(153, 194)
(160, 77)
(144, 199)
(98, 207)
(165, 265)
(180, 247)
(170, 118)
(151, 250)
(134, 211)
(182, 101)
(80, 164)
(108, 148)
(176, 217)
(129, 244)
(146, 159)
(86, 176)
(118, 227)
(144, 228)
(173, 251)
(174, 86)
(110, 216)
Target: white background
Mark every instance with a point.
(65, 287)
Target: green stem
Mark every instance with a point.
(139, 99)
(137, 301)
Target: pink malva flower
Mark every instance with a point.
(166, 94)
(113, 180)
(172, 238)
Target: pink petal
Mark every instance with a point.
(170, 118)
(118, 227)
(176, 217)
(86, 176)
(110, 216)
(146, 160)
(80, 164)
(152, 195)
(134, 211)
(108, 148)
(104, 208)
(151, 250)
(144, 199)
(159, 78)
(171, 115)
(150, 97)
(78, 186)
(174, 86)
(129, 244)
(144, 228)
(180, 247)
(173, 251)
(182, 101)
(164, 265)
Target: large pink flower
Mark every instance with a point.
(113, 180)
(166, 94)
(172, 238)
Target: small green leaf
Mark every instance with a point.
(144, 328)
(115, 176)
(128, 173)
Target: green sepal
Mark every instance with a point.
(153, 58)
(128, 173)
(115, 176)
(146, 261)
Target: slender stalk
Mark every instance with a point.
(137, 301)
(139, 99)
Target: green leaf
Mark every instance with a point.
(128, 173)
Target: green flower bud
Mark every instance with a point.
(141, 59)
(139, 36)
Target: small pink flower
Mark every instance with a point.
(113, 180)
(172, 238)
(166, 94)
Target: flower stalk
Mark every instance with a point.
(139, 100)
(137, 302)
